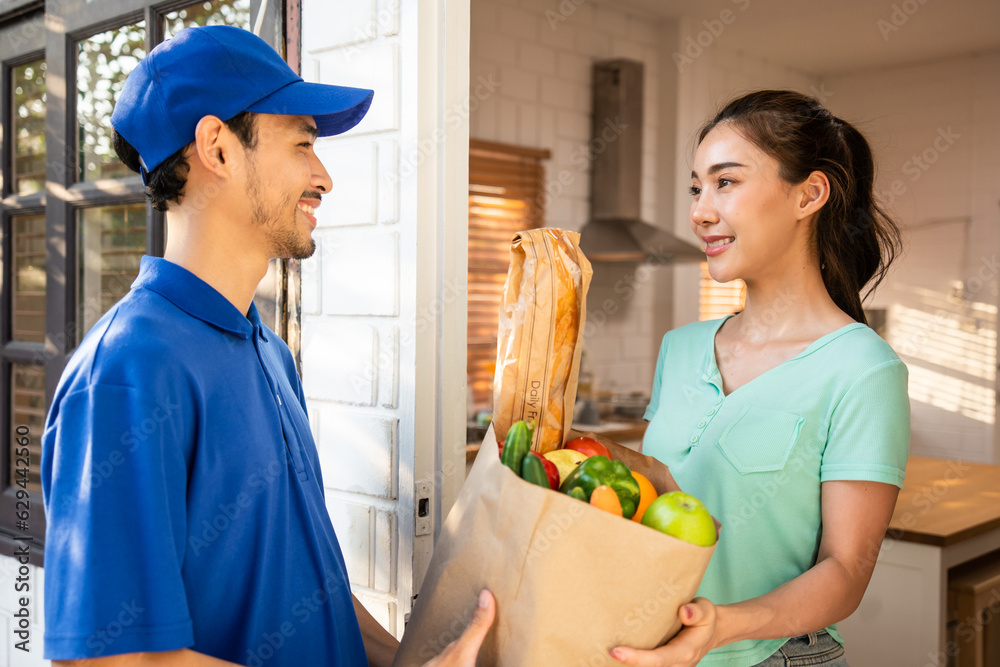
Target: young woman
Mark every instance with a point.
(790, 419)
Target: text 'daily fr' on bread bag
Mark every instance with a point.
(540, 335)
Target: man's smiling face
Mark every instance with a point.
(284, 183)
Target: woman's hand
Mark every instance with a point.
(463, 651)
(696, 638)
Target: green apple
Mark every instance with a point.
(683, 516)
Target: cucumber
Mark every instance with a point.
(533, 470)
(517, 445)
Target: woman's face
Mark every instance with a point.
(743, 213)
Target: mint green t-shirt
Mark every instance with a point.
(837, 411)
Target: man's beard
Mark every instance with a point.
(286, 242)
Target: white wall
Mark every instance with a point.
(380, 298)
(541, 57)
(934, 129)
(9, 573)
(541, 54)
(710, 76)
(948, 203)
(350, 324)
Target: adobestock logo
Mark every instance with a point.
(695, 46)
(566, 9)
(918, 164)
(101, 640)
(901, 13)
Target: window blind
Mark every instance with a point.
(506, 196)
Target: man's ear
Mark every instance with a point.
(212, 145)
(813, 193)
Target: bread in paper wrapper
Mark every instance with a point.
(540, 335)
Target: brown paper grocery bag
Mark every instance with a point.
(571, 581)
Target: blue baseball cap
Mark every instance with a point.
(220, 71)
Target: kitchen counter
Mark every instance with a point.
(948, 513)
(946, 502)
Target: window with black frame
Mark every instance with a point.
(23, 279)
(74, 219)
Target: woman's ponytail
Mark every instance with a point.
(859, 251)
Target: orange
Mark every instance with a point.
(605, 498)
(647, 494)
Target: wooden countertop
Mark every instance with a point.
(620, 432)
(945, 501)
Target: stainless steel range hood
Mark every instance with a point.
(615, 231)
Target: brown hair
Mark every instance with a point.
(167, 180)
(855, 238)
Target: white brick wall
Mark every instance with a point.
(358, 451)
(903, 111)
(706, 82)
(950, 211)
(543, 60)
(9, 604)
(341, 358)
(351, 295)
(622, 296)
(376, 311)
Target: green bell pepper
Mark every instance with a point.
(598, 470)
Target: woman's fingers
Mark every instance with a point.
(673, 655)
(696, 612)
(686, 648)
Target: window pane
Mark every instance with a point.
(103, 62)
(28, 321)
(112, 240)
(27, 409)
(216, 12)
(28, 122)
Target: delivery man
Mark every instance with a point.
(183, 491)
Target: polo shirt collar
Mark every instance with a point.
(195, 297)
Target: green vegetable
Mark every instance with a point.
(533, 470)
(516, 445)
(598, 470)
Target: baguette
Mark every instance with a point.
(540, 335)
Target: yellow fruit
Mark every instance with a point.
(566, 460)
(647, 494)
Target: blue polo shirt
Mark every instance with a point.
(758, 456)
(183, 491)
